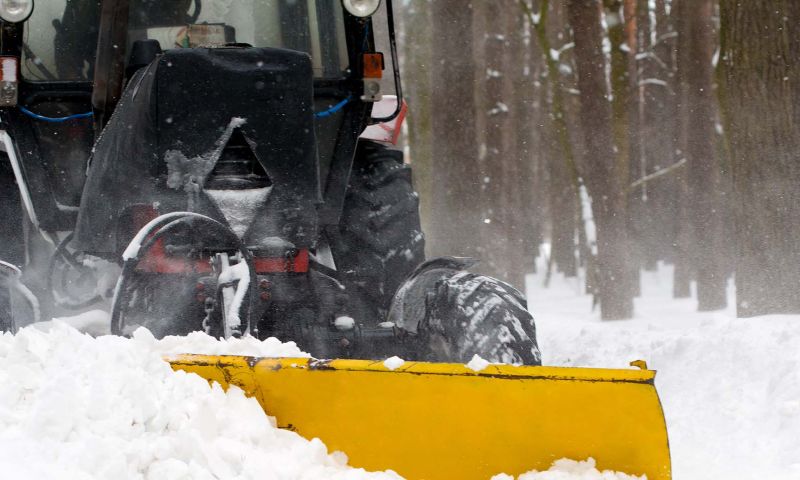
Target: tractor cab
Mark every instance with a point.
(73, 59)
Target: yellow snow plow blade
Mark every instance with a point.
(445, 421)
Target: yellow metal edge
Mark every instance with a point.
(427, 368)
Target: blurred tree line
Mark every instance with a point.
(621, 133)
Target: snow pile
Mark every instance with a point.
(571, 470)
(730, 387)
(76, 407)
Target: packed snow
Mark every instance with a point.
(239, 207)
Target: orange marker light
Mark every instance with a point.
(373, 65)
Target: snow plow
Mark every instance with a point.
(230, 171)
(443, 421)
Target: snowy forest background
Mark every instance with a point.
(622, 133)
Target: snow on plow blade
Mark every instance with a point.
(444, 421)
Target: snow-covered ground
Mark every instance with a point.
(730, 387)
(76, 407)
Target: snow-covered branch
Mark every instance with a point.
(656, 174)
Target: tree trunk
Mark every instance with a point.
(561, 164)
(456, 176)
(608, 176)
(703, 166)
(524, 94)
(635, 160)
(683, 264)
(500, 226)
(659, 135)
(641, 199)
(415, 28)
(619, 75)
(760, 96)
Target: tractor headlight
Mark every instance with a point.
(15, 11)
(361, 8)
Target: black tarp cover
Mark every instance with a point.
(171, 124)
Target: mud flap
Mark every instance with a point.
(444, 421)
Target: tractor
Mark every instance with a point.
(224, 166)
(227, 166)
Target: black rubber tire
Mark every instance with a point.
(380, 240)
(469, 314)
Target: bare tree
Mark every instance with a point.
(760, 96)
(415, 28)
(455, 173)
(703, 165)
(606, 176)
(634, 162)
(659, 135)
(524, 66)
(683, 242)
(501, 232)
(562, 171)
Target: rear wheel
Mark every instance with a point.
(380, 241)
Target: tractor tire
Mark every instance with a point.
(469, 314)
(380, 240)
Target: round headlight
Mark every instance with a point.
(361, 8)
(15, 11)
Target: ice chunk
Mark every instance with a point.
(393, 363)
(477, 363)
(344, 323)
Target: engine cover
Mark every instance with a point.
(175, 121)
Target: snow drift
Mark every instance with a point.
(76, 407)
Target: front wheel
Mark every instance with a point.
(453, 315)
